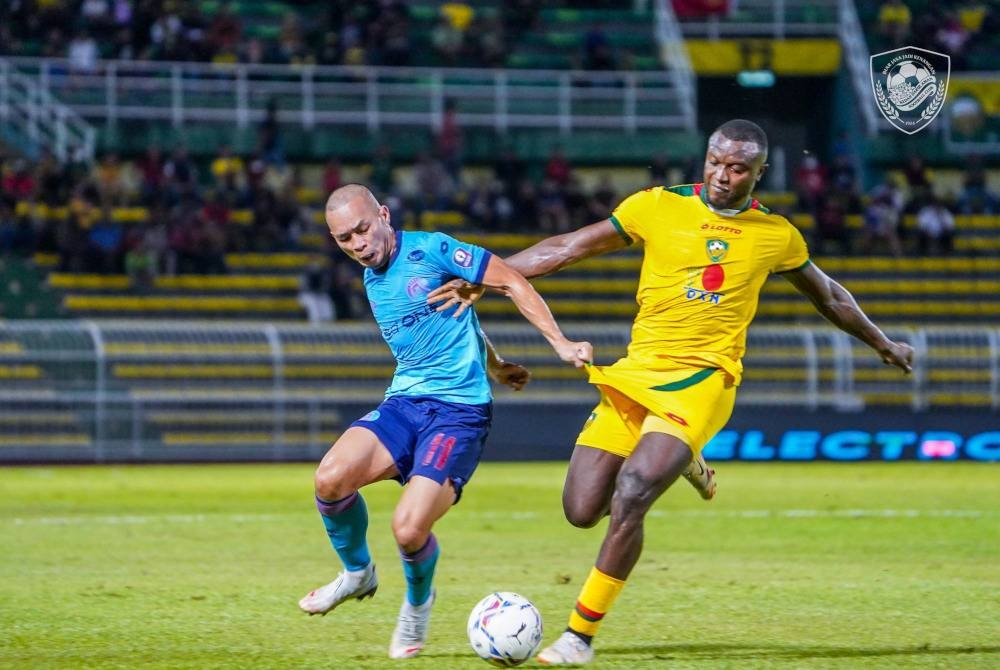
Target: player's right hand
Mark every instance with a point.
(577, 353)
(899, 354)
(510, 374)
(456, 292)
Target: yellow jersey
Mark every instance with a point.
(702, 272)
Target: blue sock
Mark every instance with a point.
(346, 522)
(418, 568)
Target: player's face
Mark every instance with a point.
(361, 228)
(732, 170)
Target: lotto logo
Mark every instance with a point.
(462, 258)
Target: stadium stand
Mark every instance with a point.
(183, 390)
(216, 141)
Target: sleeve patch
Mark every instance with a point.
(462, 258)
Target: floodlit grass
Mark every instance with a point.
(792, 566)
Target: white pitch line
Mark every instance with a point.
(831, 513)
(135, 519)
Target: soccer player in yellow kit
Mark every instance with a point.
(708, 249)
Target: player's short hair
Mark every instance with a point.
(742, 130)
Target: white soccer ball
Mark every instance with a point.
(505, 629)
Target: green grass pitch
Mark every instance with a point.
(792, 566)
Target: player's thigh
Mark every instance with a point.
(606, 439)
(657, 461)
(357, 458)
(590, 483)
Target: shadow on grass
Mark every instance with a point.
(787, 652)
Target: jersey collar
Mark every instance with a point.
(703, 194)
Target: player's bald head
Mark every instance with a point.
(348, 193)
(750, 136)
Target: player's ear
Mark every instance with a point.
(761, 171)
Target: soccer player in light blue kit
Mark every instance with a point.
(429, 431)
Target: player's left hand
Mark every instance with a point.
(510, 374)
(899, 354)
(456, 292)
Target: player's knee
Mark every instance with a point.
(583, 514)
(332, 483)
(634, 493)
(409, 536)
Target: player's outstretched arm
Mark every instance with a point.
(504, 372)
(556, 252)
(549, 255)
(501, 276)
(839, 307)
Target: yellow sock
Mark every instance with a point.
(596, 597)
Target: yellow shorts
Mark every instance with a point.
(692, 404)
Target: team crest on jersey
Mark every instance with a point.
(716, 249)
(415, 255)
(416, 286)
(462, 258)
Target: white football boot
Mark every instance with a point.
(701, 476)
(347, 585)
(411, 629)
(569, 649)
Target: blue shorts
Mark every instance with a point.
(428, 437)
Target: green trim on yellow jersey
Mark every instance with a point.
(621, 231)
(687, 382)
(699, 190)
(683, 189)
(808, 262)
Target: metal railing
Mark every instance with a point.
(769, 18)
(372, 97)
(30, 115)
(674, 57)
(856, 54)
(136, 390)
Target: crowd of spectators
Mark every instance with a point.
(338, 32)
(194, 213)
(341, 32)
(832, 193)
(953, 28)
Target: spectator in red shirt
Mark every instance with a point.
(19, 182)
(331, 176)
(558, 168)
(811, 182)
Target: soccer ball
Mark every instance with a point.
(505, 629)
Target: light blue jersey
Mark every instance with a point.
(436, 355)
